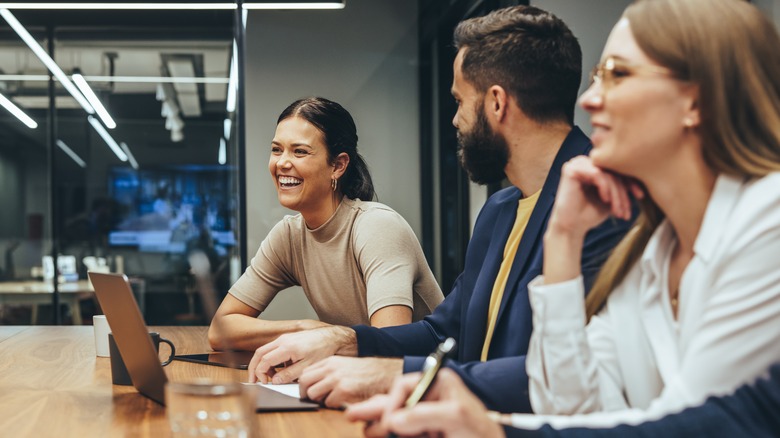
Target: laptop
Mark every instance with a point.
(143, 365)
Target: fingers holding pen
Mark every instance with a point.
(449, 409)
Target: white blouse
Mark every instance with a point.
(633, 362)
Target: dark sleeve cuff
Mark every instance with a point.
(413, 364)
(414, 339)
(366, 340)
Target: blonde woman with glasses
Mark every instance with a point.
(685, 108)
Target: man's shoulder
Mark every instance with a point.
(508, 195)
(502, 202)
(577, 142)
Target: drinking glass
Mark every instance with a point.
(207, 409)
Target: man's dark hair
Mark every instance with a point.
(529, 52)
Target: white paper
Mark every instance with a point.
(289, 389)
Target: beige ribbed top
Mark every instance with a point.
(365, 257)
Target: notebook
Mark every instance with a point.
(132, 339)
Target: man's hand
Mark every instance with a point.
(337, 381)
(449, 410)
(299, 350)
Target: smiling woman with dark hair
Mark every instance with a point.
(357, 261)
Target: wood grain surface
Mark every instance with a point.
(52, 384)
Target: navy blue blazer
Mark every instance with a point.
(752, 411)
(501, 382)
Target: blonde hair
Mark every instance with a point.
(731, 52)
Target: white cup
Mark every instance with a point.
(102, 329)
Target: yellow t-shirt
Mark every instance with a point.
(525, 207)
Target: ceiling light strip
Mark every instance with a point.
(227, 128)
(172, 6)
(232, 82)
(131, 79)
(16, 111)
(107, 138)
(300, 5)
(158, 79)
(46, 59)
(222, 151)
(74, 156)
(120, 6)
(94, 101)
(24, 77)
(129, 154)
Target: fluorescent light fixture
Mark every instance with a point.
(131, 79)
(94, 101)
(107, 138)
(222, 151)
(16, 111)
(232, 81)
(46, 59)
(159, 94)
(228, 126)
(177, 135)
(157, 79)
(172, 6)
(129, 154)
(174, 122)
(106, 6)
(64, 101)
(24, 77)
(296, 5)
(186, 93)
(74, 156)
(165, 109)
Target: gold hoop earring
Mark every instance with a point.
(334, 184)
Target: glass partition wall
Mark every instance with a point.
(136, 185)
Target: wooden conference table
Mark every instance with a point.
(52, 384)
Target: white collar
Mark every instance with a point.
(725, 195)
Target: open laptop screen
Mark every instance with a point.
(130, 333)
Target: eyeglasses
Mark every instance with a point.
(611, 71)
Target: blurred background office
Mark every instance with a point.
(158, 145)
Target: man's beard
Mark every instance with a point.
(483, 153)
